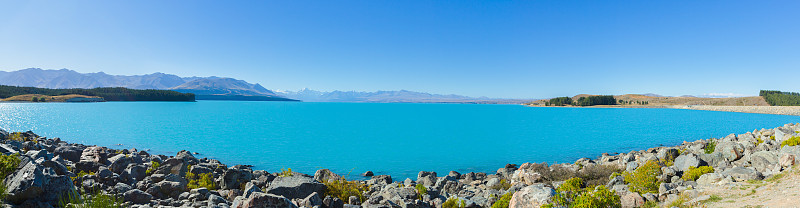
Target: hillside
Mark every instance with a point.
(223, 86)
(683, 100)
(47, 98)
(107, 93)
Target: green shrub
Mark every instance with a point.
(567, 192)
(794, 141)
(712, 144)
(503, 185)
(421, 190)
(8, 164)
(560, 101)
(596, 100)
(203, 180)
(153, 167)
(503, 201)
(99, 200)
(645, 178)
(343, 189)
(454, 203)
(695, 173)
(42, 99)
(595, 175)
(34, 99)
(286, 173)
(771, 137)
(601, 197)
(778, 98)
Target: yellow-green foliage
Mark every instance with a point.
(710, 146)
(153, 166)
(602, 197)
(645, 178)
(8, 164)
(759, 141)
(99, 200)
(16, 136)
(503, 201)
(695, 173)
(503, 185)
(454, 203)
(421, 190)
(343, 189)
(567, 192)
(286, 173)
(772, 137)
(795, 140)
(81, 174)
(203, 180)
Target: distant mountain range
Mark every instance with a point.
(65, 79)
(221, 87)
(401, 96)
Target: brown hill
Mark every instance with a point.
(58, 98)
(662, 101)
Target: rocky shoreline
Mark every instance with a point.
(778, 110)
(43, 172)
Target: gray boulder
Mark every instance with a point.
(631, 200)
(187, 157)
(532, 196)
(312, 200)
(743, 174)
(35, 182)
(668, 154)
(266, 200)
(119, 163)
(69, 152)
(137, 196)
(712, 179)
(323, 175)
(684, 162)
(787, 161)
(294, 187)
(763, 161)
(730, 150)
(426, 178)
(234, 177)
(380, 180)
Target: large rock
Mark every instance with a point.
(294, 187)
(137, 196)
(323, 175)
(92, 158)
(234, 177)
(36, 182)
(173, 166)
(631, 200)
(119, 163)
(69, 152)
(532, 196)
(526, 176)
(763, 161)
(684, 162)
(668, 154)
(426, 178)
(258, 200)
(787, 160)
(713, 179)
(187, 157)
(743, 174)
(730, 150)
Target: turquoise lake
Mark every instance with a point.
(395, 139)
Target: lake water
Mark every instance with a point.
(395, 139)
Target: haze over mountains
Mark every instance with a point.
(65, 78)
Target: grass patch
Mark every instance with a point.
(794, 141)
(286, 173)
(695, 173)
(775, 178)
(644, 179)
(203, 180)
(712, 144)
(503, 201)
(153, 166)
(454, 203)
(99, 200)
(712, 199)
(573, 194)
(421, 190)
(344, 189)
(503, 185)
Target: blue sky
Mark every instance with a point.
(511, 49)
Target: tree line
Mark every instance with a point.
(583, 101)
(778, 98)
(107, 93)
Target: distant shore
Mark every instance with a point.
(777, 110)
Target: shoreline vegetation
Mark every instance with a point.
(768, 102)
(106, 93)
(43, 172)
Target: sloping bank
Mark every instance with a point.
(42, 172)
(779, 110)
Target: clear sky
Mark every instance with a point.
(511, 49)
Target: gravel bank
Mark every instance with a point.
(780, 110)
